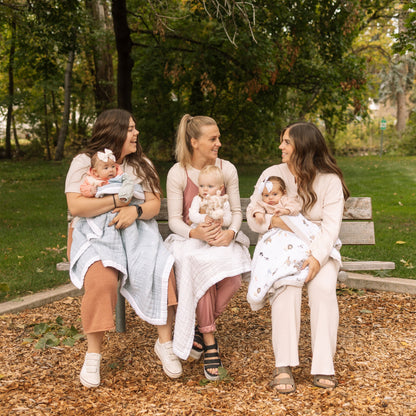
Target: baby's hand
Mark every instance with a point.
(281, 211)
(259, 217)
(208, 220)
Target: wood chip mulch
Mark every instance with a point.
(375, 364)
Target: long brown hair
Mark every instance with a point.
(311, 156)
(110, 132)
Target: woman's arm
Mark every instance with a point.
(233, 192)
(128, 214)
(81, 206)
(277, 222)
(328, 212)
(175, 186)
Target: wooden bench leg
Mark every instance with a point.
(120, 313)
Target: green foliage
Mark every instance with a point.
(406, 39)
(53, 334)
(224, 377)
(33, 226)
(407, 141)
(363, 137)
(254, 67)
(299, 65)
(390, 182)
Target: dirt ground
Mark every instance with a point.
(375, 366)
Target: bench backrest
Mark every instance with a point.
(357, 225)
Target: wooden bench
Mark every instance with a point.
(357, 228)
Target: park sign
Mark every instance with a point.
(383, 124)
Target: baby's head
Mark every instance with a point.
(210, 181)
(103, 164)
(272, 189)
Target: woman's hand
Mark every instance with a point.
(119, 203)
(224, 238)
(206, 231)
(314, 267)
(124, 218)
(277, 222)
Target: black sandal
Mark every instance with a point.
(196, 352)
(212, 361)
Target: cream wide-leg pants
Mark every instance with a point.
(324, 318)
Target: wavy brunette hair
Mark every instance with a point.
(110, 131)
(311, 156)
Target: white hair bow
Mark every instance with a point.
(265, 184)
(107, 154)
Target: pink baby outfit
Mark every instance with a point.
(292, 204)
(91, 182)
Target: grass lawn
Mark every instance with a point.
(33, 217)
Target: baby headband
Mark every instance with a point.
(106, 155)
(266, 184)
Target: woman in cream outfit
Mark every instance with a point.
(310, 171)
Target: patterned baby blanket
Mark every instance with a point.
(278, 259)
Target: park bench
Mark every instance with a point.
(357, 228)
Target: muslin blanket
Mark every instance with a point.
(137, 252)
(124, 186)
(198, 266)
(278, 259)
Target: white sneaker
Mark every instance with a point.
(90, 372)
(171, 363)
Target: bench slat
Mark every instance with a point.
(356, 208)
(352, 232)
(367, 265)
(357, 232)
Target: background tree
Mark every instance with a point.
(253, 66)
(101, 42)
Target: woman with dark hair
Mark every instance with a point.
(125, 245)
(311, 172)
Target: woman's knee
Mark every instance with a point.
(324, 285)
(101, 280)
(233, 283)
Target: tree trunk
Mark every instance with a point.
(401, 112)
(46, 126)
(103, 60)
(59, 153)
(16, 140)
(10, 91)
(55, 118)
(124, 47)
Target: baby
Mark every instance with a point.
(105, 175)
(210, 204)
(274, 200)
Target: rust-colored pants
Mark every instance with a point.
(214, 302)
(100, 295)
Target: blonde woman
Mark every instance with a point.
(208, 260)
